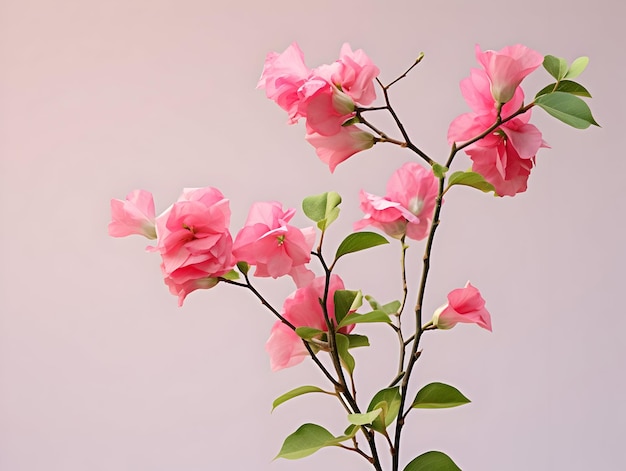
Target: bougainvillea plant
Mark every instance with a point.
(319, 320)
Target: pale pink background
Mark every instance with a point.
(100, 371)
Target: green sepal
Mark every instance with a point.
(231, 275)
(388, 400)
(577, 67)
(322, 209)
(364, 419)
(439, 170)
(351, 121)
(358, 241)
(432, 461)
(439, 396)
(243, 267)
(556, 66)
(567, 108)
(473, 179)
(373, 316)
(343, 345)
(308, 439)
(566, 86)
(295, 393)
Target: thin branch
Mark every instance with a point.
(415, 353)
(286, 322)
(499, 122)
(370, 108)
(359, 451)
(342, 387)
(405, 135)
(405, 293)
(417, 61)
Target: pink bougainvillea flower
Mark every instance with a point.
(334, 149)
(135, 215)
(194, 241)
(283, 75)
(302, 309)
(329, 96)
(407, 208)
(476, 91)
(507, 68)
(276, 248)
(181, 288)
(464, 305)
(355, 74)
(506, 156)
(325, 107)
(325, 96)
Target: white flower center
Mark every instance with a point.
(415, 205)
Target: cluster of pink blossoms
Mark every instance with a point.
(196, 246)
(506, 156)
(326, 97)
(193, 236)
(197, 249)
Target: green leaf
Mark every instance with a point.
(243, 267)
(363, 419)
(432, 461)
(359, 241)
(343, 344)
(567, 108)
(389, 400)
(323, 209)
(307, 333)
(346, 301)
(373, 316)
(391, 308)
(473, 179)
(439, 396)
(305, 441)
(372, 302)
(351, 431)
(556, 66)
(295, 393)
(357, 340)
(566, 86)
(439, 170)
(577, 67)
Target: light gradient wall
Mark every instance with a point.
(99, 370)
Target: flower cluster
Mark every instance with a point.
(196, 246)
(197, 250)
(506, 156)
(326, 97)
